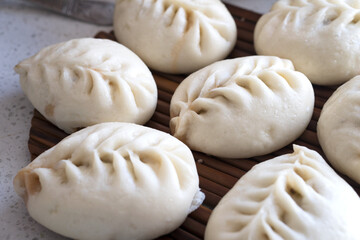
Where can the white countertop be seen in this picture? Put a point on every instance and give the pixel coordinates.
(23, 32)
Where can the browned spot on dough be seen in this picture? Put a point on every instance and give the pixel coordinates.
(49, 110)
(32, 183)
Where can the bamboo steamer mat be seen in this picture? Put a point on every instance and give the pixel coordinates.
(217, 175)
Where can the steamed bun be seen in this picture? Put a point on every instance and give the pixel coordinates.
(111, 181)
(294, 196)
(175, 36)
(321, 38)
(87, 81)
(338, 129)
(242, 107)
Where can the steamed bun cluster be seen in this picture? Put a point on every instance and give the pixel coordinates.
(242, 107)
(86, 81)
(294, 196)
(116, 180)
(111, 181)
(175, 36)
(321, 37)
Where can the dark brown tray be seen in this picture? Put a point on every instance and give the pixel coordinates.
(217, 175)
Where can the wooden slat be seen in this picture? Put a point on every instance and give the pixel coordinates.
(241, 45)
(211, 199)
(180, 234)
(194, 227)
(219, 165)
(244, 35)
(243, 23)
(163, 107)
(202, 214)
(213, 187)
(165, 96)
(165, 84)
(217, 175)
(242, 13)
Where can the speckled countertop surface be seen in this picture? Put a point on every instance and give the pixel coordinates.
(23, 32)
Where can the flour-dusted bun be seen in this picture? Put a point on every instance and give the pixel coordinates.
(86, 81)
(175, 36)
(294, 196)
(338, 129)
(242, 107)
(321, 37)
(111, 181)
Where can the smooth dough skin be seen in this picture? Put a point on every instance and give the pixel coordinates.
(86, 81)
(295, 196)
(175, 36)
(321, 37)
(242, 107)
(338, 129)
(111, 181)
